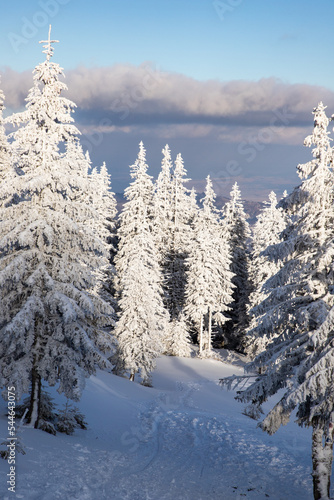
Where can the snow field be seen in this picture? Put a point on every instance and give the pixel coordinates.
(185, 438)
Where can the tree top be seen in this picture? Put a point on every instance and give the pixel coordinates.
(48, 47)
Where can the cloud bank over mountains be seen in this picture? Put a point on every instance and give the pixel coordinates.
(246, 131)
(126, 96)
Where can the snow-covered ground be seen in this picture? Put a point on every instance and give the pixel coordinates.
(185, 438)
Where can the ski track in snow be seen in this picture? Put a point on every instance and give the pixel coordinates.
(175, 449)
(209, 451)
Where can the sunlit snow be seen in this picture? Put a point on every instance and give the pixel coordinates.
(184, 438)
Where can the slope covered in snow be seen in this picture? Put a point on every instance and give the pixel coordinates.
(184, 438)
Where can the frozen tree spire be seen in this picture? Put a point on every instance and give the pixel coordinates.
(179, 240)
(299, 294)
(52, 317)
(238, 232)
(318, 174)
(142, 319)
(193, 202)
(162, 204)
(48, 47)
(267, 231)
(209, 198)
(48, 120)
(5, 161)
(103, 225)
(297, 314)
(209, 286)
(174, 211)
(177, 341)
(103, 201)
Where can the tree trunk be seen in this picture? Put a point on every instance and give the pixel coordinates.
(36, 383)
(201, 336)
(35, 399)
(322, 457)
(209, 329)
(132, 377)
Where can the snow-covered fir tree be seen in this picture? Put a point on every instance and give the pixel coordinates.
(177, 341)
(170, 195)
(298, 314)
(69, 419)
(101, 200)
(142, 320)
(300, 293)
(104, 200)
(193, 204)
(162, 205)
(238, 233)
(104, 203)
(209, 279)
(5, 162)
(179, 241)
(51, 318)
(267, 231)
(303, 367)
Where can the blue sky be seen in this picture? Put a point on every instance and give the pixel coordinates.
(232, 39)
(256, 56)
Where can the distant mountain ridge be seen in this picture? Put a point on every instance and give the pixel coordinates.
(252, 208)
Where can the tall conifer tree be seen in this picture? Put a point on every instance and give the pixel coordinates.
(298, 313)
(142, 320)
(238, 233)
(209, 279)
(51, 319)
(179, 241)
(267, 232)
(5, 161)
